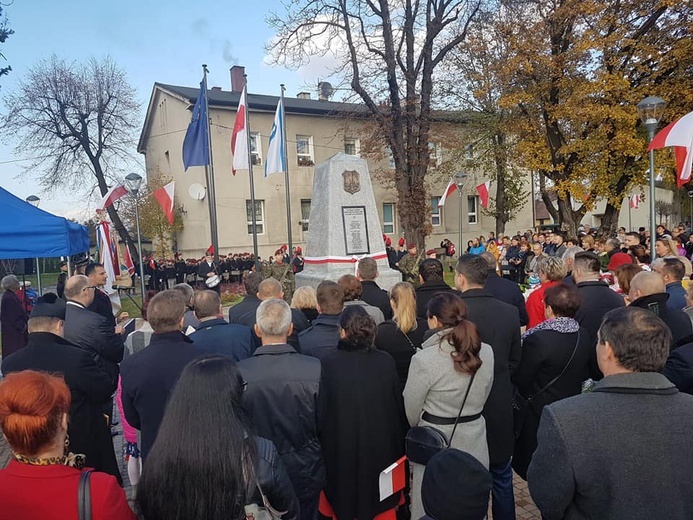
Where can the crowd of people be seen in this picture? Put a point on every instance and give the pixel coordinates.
(575, 375)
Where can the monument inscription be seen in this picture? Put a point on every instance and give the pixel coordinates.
(355, 230)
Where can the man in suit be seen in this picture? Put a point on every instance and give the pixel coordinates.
(207, 269)
(499, 326)
(624, 449)
(432, 283)
(149, 375)
(101, 304)
(91, 331)
(214, 335)
(90, 386)
(367, 272)
(284, 409)
(322, 337)
(672, 272)
(503, 289)
(251, 302)
(647, 292)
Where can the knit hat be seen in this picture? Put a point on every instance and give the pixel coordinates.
(49, 306)
(455, 486)
(619, 259)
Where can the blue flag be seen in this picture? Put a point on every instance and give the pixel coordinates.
(196, 142)
(275, 152)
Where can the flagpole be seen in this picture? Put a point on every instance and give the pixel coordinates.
(285, 158)
(250, 173)
(630, 205)
(209, 174)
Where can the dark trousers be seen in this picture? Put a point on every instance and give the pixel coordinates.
(309, 507)
(502, 496)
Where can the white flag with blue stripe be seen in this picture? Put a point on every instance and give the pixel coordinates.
(276, 155)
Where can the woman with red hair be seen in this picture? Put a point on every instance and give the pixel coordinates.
(42, 479)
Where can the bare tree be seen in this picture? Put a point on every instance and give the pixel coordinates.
(76, 122)
(388, 52)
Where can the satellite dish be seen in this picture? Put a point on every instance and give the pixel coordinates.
(197, 191)
(326, 90)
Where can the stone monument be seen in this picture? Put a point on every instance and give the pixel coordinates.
(344, 225)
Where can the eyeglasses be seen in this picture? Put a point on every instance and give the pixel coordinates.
(90, 287)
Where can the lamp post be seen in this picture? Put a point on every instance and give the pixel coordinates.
(134, 181)
(35, 201)
(650, 110)
(459, 181)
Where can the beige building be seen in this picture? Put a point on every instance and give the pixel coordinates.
(316, 129)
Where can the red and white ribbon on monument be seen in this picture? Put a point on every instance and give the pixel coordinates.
(317, 260)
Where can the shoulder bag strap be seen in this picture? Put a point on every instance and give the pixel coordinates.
(546, 387)
(84, 496)
(457, 419)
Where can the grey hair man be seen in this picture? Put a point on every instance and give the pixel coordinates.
(568, 257)
(632, 349)
(367, 272)
(189, 318)
(291, 420)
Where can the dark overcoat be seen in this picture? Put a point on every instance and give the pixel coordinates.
(14, 323)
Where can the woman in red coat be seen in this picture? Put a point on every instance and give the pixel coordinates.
(551, 271)
(42, 478)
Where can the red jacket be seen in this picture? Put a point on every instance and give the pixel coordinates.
(535, 304)
(50, 492)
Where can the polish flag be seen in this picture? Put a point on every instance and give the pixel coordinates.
(635, 201)
(165, 197)
(392, 479)
(678, 134)
(452, 187)
(239, 138)
(116, 192)
(482, 190)
(128, 264)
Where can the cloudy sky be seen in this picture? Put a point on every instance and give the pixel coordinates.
(153, 41)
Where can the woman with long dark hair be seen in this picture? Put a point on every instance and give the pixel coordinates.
(205, 462)
(362, 423)
(452, 363)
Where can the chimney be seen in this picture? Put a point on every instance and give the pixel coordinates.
(218, 89)
(303, 95)
(237, 79)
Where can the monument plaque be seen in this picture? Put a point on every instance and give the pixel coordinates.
(355, 230)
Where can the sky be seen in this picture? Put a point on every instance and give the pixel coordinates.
(152, 41)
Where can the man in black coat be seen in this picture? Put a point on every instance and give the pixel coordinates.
(432, 283)
(367, 272)
(148, 376)
(91, 331)
(596, 299)
(251, 302)
(90, 387)
(101, 304)
(623, 450)
(214, 335)
(207, 269)
(322, 337)
(503, 289)
(499, 326)
(647, 292)
(679, 367)
(284, 409)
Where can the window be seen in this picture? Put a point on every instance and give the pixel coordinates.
(435, 211)
(390, 159)
(255, 149)
(352, 146)
(472, 209)
(434, 154)
(305, 214)
(388, 218)
(259, 216)
(304, 150)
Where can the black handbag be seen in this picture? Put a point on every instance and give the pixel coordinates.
(422, 442)
(521, 403)
(84, 496)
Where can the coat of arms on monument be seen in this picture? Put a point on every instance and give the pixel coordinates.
(352, 182)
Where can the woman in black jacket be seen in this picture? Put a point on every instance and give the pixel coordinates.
(546, 350)
(403, 335)
(205, 463)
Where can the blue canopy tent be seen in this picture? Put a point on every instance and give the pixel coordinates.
(30, 232)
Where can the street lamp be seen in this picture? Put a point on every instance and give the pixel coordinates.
(133, 182)
(459, 181)
(35, 201)
(650, 110)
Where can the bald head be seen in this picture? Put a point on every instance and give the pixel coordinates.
(645, 284)
(269, 288)
(76, 290)
(207, 305)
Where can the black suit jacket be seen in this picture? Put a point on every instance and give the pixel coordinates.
(679, 368)
(508, 292)
(248, 304)
(102, 306)
(148, 377)
(321, 338)
(90, 386)
(425, 292)
(377, 297)
(499, 326)
(93, 333)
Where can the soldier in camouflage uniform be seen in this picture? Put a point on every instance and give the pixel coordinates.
(283, 273)
(409, 266)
